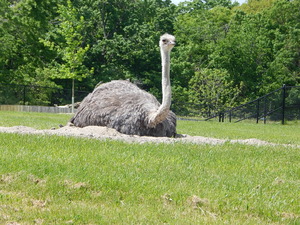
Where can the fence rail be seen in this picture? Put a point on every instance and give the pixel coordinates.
(14, 94)
(33, 108)
(280, 105)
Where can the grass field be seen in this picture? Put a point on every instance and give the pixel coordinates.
(64, 180)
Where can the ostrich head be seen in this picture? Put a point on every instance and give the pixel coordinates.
(167, 42)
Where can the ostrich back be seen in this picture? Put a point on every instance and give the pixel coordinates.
(125, 107)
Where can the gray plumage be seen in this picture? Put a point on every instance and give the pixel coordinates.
(130, 110)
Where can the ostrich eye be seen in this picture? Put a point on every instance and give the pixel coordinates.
(164, 40)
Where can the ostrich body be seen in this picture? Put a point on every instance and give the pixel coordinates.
(130, 110)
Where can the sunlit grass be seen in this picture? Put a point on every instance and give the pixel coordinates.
(59, 180)
(33, 119)
(63, 180)
(273, 132)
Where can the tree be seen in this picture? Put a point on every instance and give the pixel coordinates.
(285, 67)
(124, 38)
(198, 34)
(212, 91)
(245, 52)
(21, 53)
(256, 6)
(71, 49)
(257, 47)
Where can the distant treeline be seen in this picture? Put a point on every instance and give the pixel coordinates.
(225, 55)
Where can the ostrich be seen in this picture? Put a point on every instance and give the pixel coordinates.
(123, 106)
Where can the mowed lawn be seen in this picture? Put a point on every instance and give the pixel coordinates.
(65, 180)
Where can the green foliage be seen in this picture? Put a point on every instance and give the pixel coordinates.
(255, 46)
(69, 49)
(21, 25)
(180, 105)
(256, 6)
(48, 42)
(127, 40)
(212, 91)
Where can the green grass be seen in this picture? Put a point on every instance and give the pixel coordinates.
(59, 180)
(64, 180)
(272, 132)
(31, 119)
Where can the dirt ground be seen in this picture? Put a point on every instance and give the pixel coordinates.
(103, 133)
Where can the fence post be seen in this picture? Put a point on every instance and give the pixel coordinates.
(283, 103)
(73, 95)
(265, 110)
(221, 117)
(257, 111)
(24, 94)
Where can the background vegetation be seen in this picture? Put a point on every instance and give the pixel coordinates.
(240, 52)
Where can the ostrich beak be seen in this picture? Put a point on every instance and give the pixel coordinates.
(172, 43)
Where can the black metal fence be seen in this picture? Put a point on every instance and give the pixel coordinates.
(13, 94)
(280, 105)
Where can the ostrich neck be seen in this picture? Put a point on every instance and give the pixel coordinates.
(162, 112)
(165, 82)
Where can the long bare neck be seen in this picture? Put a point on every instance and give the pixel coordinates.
(165, 81)
(162, 112)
